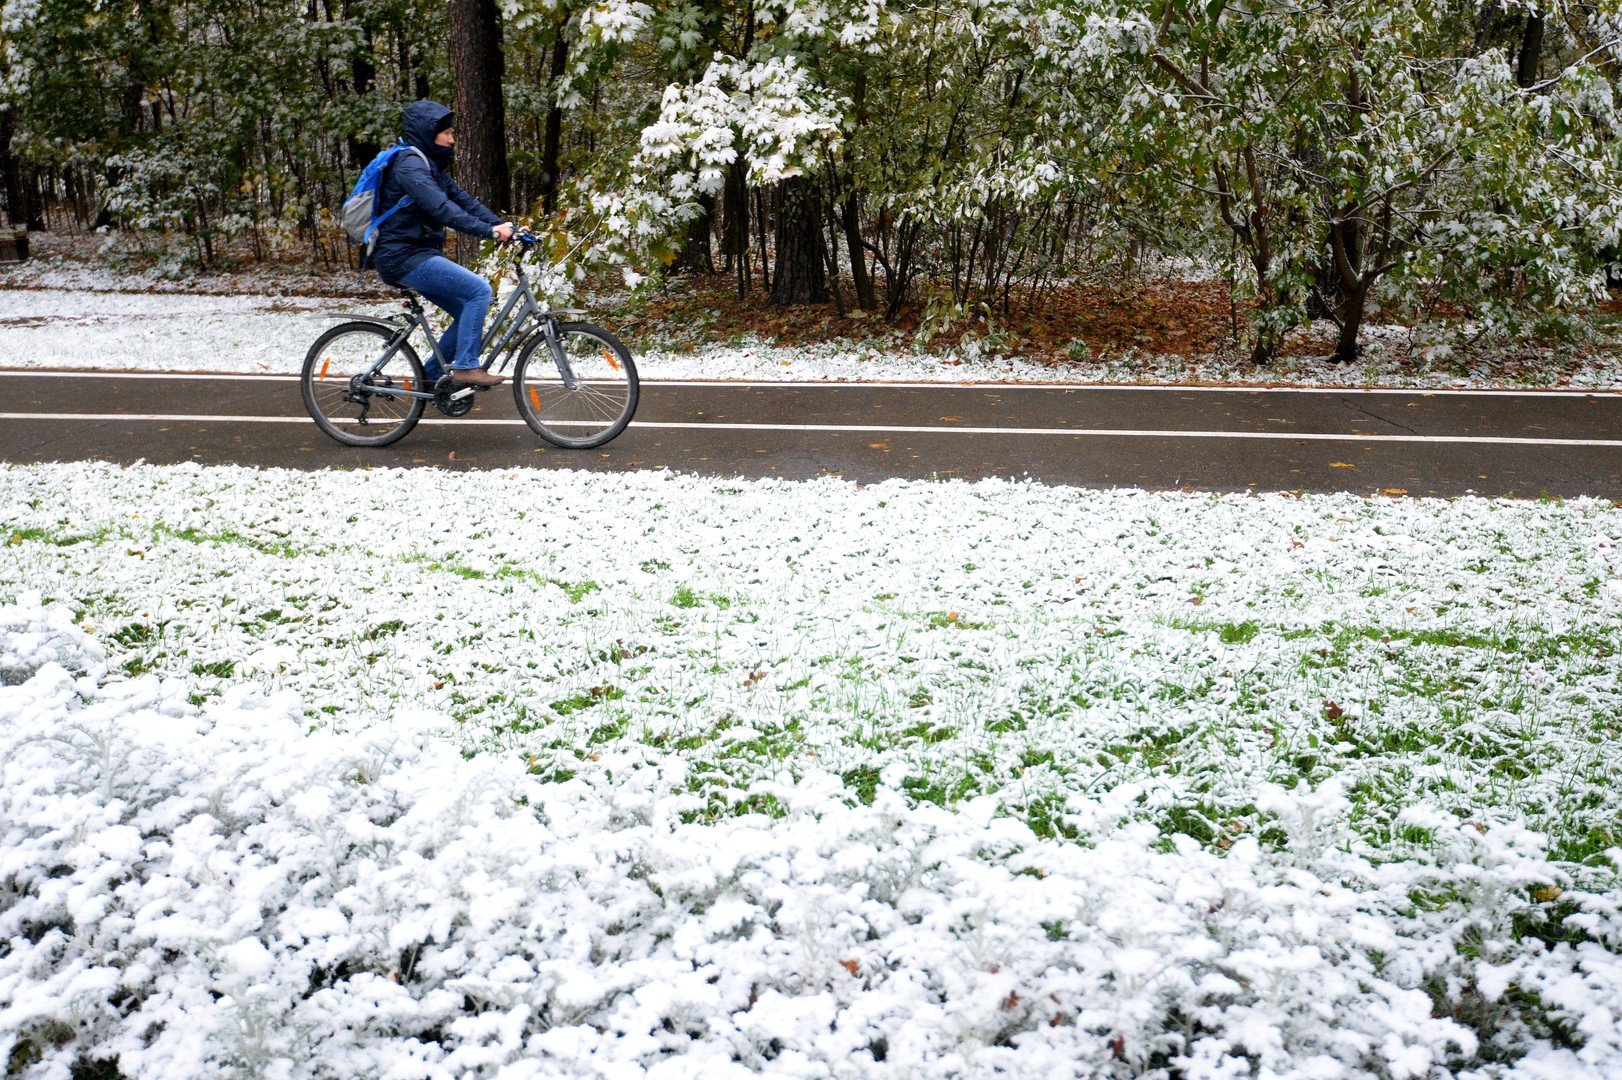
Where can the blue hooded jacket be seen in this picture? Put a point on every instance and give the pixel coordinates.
(416, 232)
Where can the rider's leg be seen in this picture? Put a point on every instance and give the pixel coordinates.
(464, 295)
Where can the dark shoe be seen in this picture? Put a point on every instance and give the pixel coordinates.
(474, 377)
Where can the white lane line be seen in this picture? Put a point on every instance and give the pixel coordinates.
(1146, 388)
(824, 384)
(877, 429)
(216, 376)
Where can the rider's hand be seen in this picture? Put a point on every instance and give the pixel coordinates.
(503, 232)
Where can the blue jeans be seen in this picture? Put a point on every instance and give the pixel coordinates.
(465, 297)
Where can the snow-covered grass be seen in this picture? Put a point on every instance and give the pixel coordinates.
(540, 773)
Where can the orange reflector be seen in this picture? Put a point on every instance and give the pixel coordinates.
(608, 354)
(407, 383)
(535, 399)
(326, 362)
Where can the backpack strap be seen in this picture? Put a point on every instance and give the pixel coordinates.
(378, 221)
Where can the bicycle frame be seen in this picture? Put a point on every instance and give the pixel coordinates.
(514, 325)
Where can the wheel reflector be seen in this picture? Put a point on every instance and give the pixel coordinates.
(535, 399)
(608, 354)
(326, 362)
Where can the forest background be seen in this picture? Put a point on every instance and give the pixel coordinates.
(934, 163)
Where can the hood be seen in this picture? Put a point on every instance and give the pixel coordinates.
(420, 122)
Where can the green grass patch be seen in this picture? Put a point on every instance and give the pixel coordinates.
(220, 669)
(135, 635)
(586, 699)
(36, 535)
(687, 597)
(280, 549)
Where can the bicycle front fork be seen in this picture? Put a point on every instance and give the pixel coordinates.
(559, 357)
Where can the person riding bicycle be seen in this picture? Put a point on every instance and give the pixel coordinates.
(408, 252)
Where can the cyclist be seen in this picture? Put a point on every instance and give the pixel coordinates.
(410, 242)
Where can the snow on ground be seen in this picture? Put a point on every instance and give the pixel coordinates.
(161, 331)
(50, 325)
(430, 774)
(543, 773)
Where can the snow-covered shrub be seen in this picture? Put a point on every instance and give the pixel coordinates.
(33, 635)
(217, 891)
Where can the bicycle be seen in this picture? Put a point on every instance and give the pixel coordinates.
(574, 383)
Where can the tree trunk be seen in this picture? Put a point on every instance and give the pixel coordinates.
(33, 201)
(1355, 302)
(735, 224)
(800, 277)
(132, 102)
(402, 62)
(760, 234)
(477, 68)
(1324, 299)
(861, 281)
(363, 77)
(1526, 63)
(1357, 270)
(1265, 350)
(1331, 294)
(830, 253)
(850, 212)
(1268, 336)
(552, 150)
(695, 257)
(10, 178)
(898, 279)
(735, 197)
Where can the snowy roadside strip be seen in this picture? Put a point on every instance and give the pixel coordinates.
(662, 775)
(255, 333)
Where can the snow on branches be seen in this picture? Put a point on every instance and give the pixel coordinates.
(770, 113)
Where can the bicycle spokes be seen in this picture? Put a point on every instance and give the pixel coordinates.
(357, 384)
(585, 395)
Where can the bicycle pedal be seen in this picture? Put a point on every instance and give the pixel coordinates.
(466, 391)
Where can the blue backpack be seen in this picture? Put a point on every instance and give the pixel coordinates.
(360, 216)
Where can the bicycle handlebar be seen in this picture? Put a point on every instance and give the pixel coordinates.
(522, 243)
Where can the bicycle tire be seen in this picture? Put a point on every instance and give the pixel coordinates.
(602, 404)
(339, 406)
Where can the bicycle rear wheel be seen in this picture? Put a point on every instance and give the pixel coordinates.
(603, 395)
(352, 405)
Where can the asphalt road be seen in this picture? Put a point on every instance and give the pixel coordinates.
(1529, 444)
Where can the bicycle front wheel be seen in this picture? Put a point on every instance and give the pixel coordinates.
(583, 398)
(349, 401)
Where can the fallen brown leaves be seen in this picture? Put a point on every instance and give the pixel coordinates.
(1152, 317)
(1155, 317)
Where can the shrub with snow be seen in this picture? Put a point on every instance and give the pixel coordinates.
(192, 891)
(33, 635)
